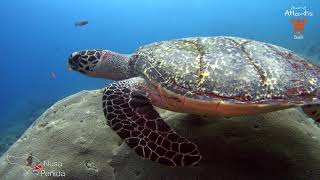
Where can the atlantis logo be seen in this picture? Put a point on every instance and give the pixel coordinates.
(298, 11)
(298, 19)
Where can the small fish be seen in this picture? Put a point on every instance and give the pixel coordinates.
(81, 23)
(312, 111)
(53, 75)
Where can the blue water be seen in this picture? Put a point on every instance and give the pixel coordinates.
(36, 37)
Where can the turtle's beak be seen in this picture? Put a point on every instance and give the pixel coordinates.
(73, 61)
(68, 66)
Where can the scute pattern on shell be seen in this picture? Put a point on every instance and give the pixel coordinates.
(229, 68)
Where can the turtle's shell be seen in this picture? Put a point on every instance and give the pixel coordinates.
(235, 70)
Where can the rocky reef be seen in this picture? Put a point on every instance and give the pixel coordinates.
(71, 140)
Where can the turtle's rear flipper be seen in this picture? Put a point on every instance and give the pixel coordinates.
(313, 111)
(130, 114)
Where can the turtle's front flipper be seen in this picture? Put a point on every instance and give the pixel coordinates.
(313, 111)
(130, 114)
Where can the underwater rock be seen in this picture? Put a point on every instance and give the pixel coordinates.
(71, 139)
(19, 119)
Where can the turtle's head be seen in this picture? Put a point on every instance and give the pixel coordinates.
(102, 64)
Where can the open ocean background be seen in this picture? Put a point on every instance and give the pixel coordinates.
(37, 36)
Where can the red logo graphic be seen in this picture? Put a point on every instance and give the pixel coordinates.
(298, 25)
(37, 167)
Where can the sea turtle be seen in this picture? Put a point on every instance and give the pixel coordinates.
(210, 76)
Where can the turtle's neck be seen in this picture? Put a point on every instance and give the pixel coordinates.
(113, 66)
